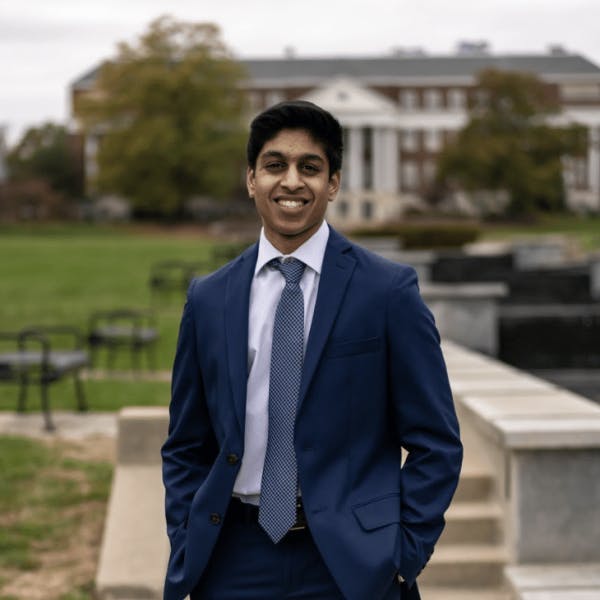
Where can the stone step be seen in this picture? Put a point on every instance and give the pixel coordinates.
(471, 566)
(472, 523)
(135, 548)
(474, 485)
(453, 593)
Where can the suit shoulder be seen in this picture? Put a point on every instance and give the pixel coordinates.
(207, 283)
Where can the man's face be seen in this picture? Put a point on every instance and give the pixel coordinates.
(291, 187)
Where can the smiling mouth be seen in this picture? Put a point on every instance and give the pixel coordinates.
(291, 202)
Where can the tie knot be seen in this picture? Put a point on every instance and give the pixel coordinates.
(291, 269)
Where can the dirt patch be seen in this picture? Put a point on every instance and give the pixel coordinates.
(62, 570)
(96, 448)
(71, 566)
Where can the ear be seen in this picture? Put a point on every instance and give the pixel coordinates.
(250, 182)
(334, 185)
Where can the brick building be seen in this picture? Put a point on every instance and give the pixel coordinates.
(398, 110)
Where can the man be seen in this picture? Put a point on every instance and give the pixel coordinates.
(303, 368)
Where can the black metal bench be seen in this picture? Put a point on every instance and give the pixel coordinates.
(174, 276)
(132, 329)
(34, 358)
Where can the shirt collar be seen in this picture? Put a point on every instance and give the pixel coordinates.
(311, 253)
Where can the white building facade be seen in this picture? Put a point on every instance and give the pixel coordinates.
(398, 112)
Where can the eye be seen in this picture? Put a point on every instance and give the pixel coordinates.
(311, 169)
(274, 165)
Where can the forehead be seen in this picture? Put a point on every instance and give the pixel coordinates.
(294, 142)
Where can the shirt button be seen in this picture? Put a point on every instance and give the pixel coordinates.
(215, 518)
(233, 459)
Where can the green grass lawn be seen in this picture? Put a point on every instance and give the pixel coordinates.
(61, 274)
(102, 395)
(49, 497)
(38, 483)
(52, 277)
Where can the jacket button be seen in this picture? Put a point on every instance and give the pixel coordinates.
(233, 459)
(215, 518)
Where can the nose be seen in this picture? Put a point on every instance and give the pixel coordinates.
(291, 179)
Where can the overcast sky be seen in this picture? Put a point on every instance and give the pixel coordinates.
(46, 44)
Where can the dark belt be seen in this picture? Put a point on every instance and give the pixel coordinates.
(248, 513)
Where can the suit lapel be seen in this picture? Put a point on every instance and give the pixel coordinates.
(338, 265)
(237, 298)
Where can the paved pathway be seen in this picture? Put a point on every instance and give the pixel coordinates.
(75, 425)
(100, 374)
(69, 425)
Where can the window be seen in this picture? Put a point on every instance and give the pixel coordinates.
(581, 91)
(408, 99)
(428, 171)
(255, 101)
(366, 210)
(343, 208)
(433, 99)
(433, 140)
(274, 97)
(457, 99)
(410, 175)
(409, 140)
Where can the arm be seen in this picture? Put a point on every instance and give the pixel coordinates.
(425, 423)
(190, 448)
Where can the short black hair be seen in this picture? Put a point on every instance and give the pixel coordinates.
(323, 127)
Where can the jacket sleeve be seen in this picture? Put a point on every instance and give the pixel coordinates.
(425, 424)
(190, 449)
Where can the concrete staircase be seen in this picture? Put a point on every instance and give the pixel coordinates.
(469, 559)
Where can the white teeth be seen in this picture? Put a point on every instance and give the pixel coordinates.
(291, 203)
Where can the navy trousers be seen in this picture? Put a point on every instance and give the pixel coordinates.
(245, 565)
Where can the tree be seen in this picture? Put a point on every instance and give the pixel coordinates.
(48, 153)
(509, 145)
(171, 113)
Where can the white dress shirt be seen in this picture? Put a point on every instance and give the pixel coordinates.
(265, 291)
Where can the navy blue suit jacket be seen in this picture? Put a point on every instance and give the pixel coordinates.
(374, 381)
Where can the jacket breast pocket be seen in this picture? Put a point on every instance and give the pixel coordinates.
(378, 512)
(352, 347)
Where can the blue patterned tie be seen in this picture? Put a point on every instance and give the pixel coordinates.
(279, 487)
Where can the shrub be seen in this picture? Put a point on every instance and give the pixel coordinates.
(437, 235)
(414, 235)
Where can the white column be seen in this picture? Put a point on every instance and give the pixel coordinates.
(355, 160)
(594, 162)
(378, 164)
(398, 166)
(391, 161)
(385, 160)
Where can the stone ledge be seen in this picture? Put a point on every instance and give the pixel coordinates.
(501, 384)
(546, 434)
(464, 291)
(540, 402)
(135, 547)
(142, 431)
(516, 409)
(555, 581)
(590, 594)
(557, 419)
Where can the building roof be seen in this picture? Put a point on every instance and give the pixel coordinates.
(401, 67)
(409, 67)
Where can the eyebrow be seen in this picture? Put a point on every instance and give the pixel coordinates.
(280, 155)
